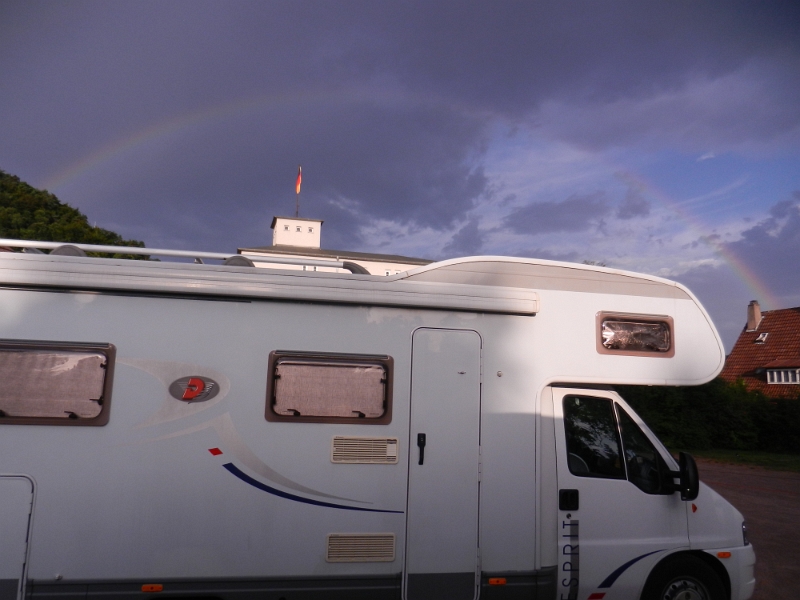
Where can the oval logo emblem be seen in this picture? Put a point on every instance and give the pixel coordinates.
(194, 389)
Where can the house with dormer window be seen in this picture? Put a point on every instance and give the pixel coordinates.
(766, 357)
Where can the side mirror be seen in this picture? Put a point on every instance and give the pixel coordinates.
(690, 479)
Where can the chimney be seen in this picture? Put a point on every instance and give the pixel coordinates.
(753, 315)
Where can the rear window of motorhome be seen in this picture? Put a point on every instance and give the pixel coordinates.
(635, 335)
(329, 388)
(55, 383)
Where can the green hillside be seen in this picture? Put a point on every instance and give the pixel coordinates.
(30, 214)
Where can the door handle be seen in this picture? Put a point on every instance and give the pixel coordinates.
(421, 445)
(568, 500)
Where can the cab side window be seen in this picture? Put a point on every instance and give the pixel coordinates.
(593, 444)
(646, 469)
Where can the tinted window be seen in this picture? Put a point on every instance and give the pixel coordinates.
(593, 448)
(646, 469)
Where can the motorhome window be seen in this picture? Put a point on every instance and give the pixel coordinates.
(641, 335)
(333, 388)
(55, 383)
(646, 469)
(593, 448)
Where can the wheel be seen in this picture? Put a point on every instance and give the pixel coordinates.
(684, 577)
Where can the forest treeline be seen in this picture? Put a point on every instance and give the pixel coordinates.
(718, 415)
(27, 213)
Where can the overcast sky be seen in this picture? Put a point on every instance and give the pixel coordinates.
(661, 137)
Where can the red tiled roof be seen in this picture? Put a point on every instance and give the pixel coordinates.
(749, 360)
(786, 363)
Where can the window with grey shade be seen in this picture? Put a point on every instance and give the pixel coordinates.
(50, 383)
(324, 388)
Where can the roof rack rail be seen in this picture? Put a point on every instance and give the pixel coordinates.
(238, 260)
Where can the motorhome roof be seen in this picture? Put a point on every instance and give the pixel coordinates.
(489, 284)
(540, 274)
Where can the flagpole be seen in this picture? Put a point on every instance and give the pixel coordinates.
(297, 191)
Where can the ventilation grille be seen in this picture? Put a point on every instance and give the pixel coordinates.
(360, 547)
(368, 450)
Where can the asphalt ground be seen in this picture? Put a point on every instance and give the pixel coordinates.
(770, 503)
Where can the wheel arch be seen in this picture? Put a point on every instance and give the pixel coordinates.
(708, 559)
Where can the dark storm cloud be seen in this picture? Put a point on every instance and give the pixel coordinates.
(602, 74)
(750, 108)
(513, 54)
(387, 105)
(234, 176)
(576, 213)
(467, 241)
(771, 248)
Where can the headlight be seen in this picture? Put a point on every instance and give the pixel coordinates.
(744, 534)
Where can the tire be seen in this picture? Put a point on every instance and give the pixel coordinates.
(684, 577)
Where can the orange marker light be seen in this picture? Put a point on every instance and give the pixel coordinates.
(152, 587)
(724, 554)
(497, 581)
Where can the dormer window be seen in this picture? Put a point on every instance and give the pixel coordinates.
(785, 376)
(762, 337)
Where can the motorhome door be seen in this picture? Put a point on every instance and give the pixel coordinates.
(617, 513)
(16, 501)
(442, 525)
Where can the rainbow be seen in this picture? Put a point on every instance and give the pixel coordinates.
(210, 113)
(159, 130)
(759, 289)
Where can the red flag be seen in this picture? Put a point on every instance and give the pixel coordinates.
(299, 178)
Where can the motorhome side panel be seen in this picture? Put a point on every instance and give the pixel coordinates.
(211, 489)
(182, 489)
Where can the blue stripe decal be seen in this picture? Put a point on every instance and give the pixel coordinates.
(609, 581)
(275, 492)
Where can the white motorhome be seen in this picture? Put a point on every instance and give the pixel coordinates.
(224, 432)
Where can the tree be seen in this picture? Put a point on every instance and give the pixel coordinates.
(30, 214)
